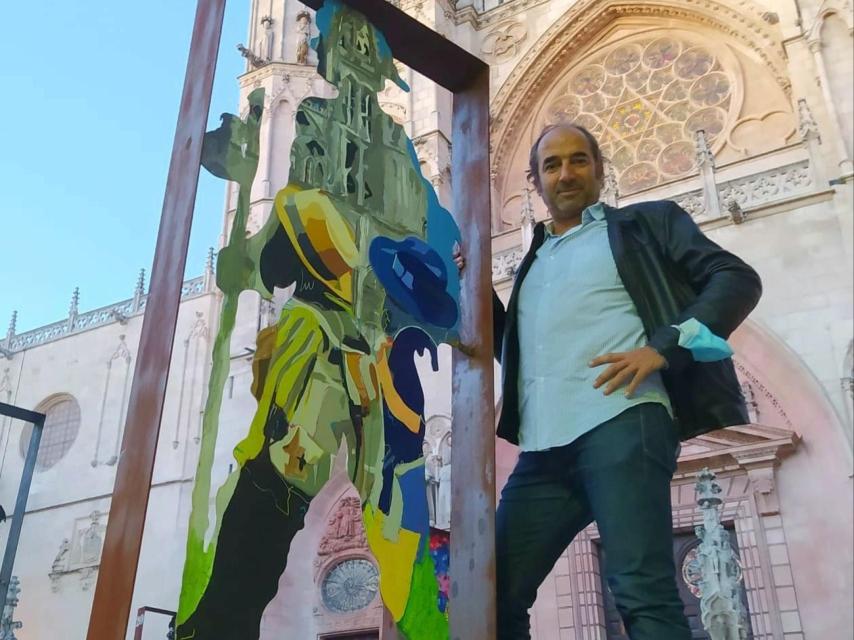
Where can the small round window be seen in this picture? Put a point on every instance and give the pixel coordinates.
(62, 422)
(350, 586)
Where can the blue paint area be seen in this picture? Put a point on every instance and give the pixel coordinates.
(415, 278)
(401, 444)
(416, 516)
(442, 234)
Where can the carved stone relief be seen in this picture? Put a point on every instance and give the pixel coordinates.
(503, 42)
(344, 531)
(757, 133)
(80, 555)
(504, 265)
(761, 394)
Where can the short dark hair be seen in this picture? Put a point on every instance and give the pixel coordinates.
(533, 173)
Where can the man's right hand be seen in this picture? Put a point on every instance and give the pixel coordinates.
(457, 256)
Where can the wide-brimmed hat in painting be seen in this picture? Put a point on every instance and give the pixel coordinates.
(415, 278)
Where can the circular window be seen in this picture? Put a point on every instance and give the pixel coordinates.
(62, 422)
(350, 586)
(645, 100)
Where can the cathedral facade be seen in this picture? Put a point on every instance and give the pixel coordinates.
(741, 111)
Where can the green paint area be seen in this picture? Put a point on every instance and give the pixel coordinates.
(421, 621)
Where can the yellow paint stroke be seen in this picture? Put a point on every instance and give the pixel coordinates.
(396, 405)
(327, 230)
(396, 560)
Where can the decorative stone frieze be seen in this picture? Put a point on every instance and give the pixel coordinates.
(503, 42)
(505, 265)
(120, 311)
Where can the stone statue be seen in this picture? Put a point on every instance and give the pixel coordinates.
(303, 33)
(721, 610)
(269, 37)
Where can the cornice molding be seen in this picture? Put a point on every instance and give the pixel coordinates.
(495, 15)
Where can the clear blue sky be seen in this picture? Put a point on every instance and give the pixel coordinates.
(89, 101)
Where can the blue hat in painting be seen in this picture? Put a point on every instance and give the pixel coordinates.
(415, 278)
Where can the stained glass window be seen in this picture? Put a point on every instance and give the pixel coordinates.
(644, 100)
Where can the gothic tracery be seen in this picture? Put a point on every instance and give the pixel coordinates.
(645, 99)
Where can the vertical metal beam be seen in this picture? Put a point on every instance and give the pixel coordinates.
(123, 540)
(472, 611)
(37, 420)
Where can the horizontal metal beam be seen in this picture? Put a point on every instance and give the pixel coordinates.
(417, 46)
(21, 414)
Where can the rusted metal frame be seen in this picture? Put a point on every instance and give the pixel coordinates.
(37, 420)
(140, 619)
(123, 540)
(472, 613)
(417, 45)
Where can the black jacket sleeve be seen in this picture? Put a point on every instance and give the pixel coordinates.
(498, 318)
(726, 288)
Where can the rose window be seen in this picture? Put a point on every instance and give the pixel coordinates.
(645, 100)
(350, 586)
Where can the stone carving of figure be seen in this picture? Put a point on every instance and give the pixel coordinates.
(303, 33)
(91, 544)
(269, 38)
(59, 561)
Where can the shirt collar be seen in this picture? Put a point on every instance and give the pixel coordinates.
(593, 212)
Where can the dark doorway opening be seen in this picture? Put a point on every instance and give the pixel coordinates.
(684, 550)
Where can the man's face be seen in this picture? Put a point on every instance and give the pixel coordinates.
(569, 177)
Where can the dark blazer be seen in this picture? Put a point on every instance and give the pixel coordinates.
(672, 272)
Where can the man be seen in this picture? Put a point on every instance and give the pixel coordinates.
(613, 350)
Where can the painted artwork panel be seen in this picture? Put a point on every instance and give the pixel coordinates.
(360, 235)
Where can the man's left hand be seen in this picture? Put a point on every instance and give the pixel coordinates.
(631, 366)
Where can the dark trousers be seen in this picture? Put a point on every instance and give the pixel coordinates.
(619, 475)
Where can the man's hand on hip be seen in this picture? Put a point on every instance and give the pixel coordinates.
(630, 367)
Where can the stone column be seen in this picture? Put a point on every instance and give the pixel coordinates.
(845, 166)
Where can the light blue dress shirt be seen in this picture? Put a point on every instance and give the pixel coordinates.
(573, 307)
